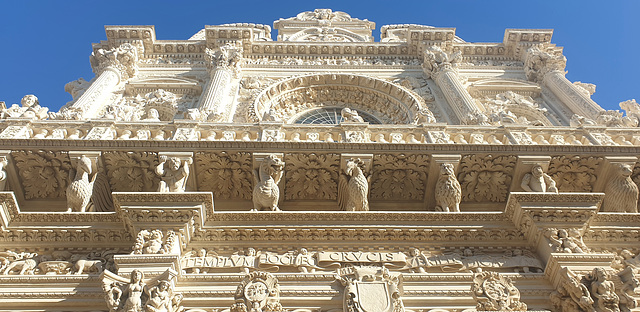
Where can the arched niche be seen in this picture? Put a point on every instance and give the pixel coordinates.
(387, 102)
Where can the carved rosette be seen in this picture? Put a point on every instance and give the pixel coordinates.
(574, 173)
(227, 175)
(43, 174)
(311, 176)
(122, 59)
(132, 171)
(486, 178)
(495, 292)
(399, 177)
(538, 63)
(258, 292)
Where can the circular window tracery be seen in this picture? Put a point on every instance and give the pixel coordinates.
(329, 116)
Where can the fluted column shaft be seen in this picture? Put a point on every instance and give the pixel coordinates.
(456, 94)
(215, 92)
(569, 94)
(92, 100)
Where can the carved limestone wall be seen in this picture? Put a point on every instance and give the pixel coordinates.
(486, 178)
(311, 176)
(399, 177)
(574, 173)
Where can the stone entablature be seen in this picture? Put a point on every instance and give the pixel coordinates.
(481, 180)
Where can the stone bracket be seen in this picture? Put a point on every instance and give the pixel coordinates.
(523, 166)
(434, 173)
(257, 160)
(184, 156)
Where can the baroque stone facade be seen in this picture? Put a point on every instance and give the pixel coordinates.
(322, 171)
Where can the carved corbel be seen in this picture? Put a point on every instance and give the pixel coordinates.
(267, 165)
(353, 187)
(621, 192)
(434, 174)
(176, 180)
(524, 165)
(141, 290)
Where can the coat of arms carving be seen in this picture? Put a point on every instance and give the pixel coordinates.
(371, 289)
(258, 292)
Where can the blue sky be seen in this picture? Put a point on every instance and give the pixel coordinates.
(46, 44)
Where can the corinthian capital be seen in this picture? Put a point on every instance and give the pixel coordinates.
(123, 58)
(539, 62)
(436, 60)
(226, 57)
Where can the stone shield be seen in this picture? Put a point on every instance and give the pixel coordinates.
(373, 296)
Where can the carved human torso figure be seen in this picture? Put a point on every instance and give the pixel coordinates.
(159, 298)
(133, 292)
(603, 292)
(173, 174)
(538, 181)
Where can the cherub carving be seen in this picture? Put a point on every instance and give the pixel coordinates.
(30, 109)
(80, 189)
(161, 298)
(353, 188)
(136, 294)
(174, 174)
(538, 181)
(152, 242)
(350, 115)
(561, 241)
(621, 193)
(603, 291)
(448, 191)
(266, 192)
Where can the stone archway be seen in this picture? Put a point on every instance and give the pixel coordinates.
(386, 101)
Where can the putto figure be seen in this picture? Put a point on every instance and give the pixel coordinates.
(266, 192)
(353, 188)
(621, 193)
(448, 191)
(80, 189)
(538, 181)
(174, 174)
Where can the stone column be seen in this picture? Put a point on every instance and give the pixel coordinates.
(441, 67)
(222, 65)
(112, 67)
(547, 68)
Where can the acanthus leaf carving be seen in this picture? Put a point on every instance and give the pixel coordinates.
(399, 177)
(123, 59)
(486, 178)
(132, 171)
(574, 173)
(227, 175)
(311, 176)
(44, 174)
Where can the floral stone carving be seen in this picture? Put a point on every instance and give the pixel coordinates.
(486, 178)
(621, 193)
(312, 176)
(132, 171)
(574, 173)
(370, 288)
(227, 175)
(152, 242)
(448, 192)
(266, 192)
(43, 174)
(258, 292)
(494, 292)
(399, 177)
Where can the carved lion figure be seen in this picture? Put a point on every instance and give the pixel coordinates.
(82, 264)
(448, 191)
(621, 193)
(266, 192)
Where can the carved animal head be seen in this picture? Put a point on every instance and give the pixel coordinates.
(84, 164)
(271, 165)
(447, 170)
(354, 167)
(624, 170)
